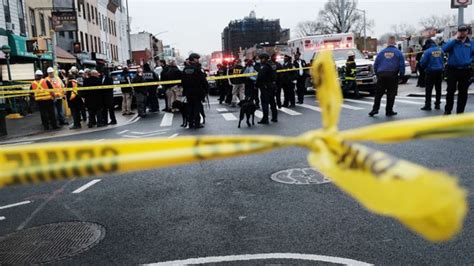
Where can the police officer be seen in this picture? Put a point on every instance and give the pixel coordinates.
(151, 76)
(301, 76)
(194, 89)
(351, 74)
(432, 63)
(389, 64)
(277, 66)
(141, 93)
(288, 80)
(266, 83)
(460, 53)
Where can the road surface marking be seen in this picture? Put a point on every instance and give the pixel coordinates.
(314, 108)
(222, 110)
(400, 101)
(123, 132)
(143, 136)
(419, 98)
(167, 120)
(86, 186)
(173, 136)
(269, 256)
(229, 117)
(98, 140)
(2, 218)
(347, 106)
(17, 144)
(289, 111)
(363, 102)
(15, 205)
(259, 114)
(148, 133)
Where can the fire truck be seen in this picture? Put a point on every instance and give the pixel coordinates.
(340, 44)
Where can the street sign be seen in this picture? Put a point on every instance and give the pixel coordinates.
(36, 46)
(460, 3)
(64, 21)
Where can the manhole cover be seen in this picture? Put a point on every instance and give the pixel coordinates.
(49, 242)
(300, 176)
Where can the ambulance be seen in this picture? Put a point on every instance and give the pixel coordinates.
(340, 44)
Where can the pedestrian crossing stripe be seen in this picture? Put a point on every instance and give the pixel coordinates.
(289, 111)
(229, 117)
(167, 120)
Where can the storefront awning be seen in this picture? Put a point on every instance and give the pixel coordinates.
(64, 57)
(18, 45)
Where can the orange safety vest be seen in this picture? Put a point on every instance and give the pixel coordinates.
(57, 86)
(41, 94)
(74, 91)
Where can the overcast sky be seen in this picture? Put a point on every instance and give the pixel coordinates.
(195, 25)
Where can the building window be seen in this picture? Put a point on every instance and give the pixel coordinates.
(50, 21)
(92, 15)
(6, 8)
(42, 25)
(87, 42)
(97, 16)
(88, 12)
(83, 11)
(95, 45)
(34, 32)
(99, 45)
(71, 35)
(61, 33)
(21, 18)
(104, 23)
(82, 41)
(92, 43)
(79, 7)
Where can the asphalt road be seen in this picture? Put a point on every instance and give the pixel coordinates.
(232, 207)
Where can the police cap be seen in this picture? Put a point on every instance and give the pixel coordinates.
(194, 56)
(263, 56)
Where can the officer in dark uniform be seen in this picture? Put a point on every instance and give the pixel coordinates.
(266, 83)
(194, 89)
(432, 63)
(277, 66)
(389, 64)
(460, 54)
(288, 80)
(152, 100)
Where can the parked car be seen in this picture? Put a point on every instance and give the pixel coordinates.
(119, 78)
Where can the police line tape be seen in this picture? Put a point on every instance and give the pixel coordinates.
(428, 202)
(25, 90)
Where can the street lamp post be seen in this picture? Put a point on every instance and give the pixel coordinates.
(7, 50)
(365, 27)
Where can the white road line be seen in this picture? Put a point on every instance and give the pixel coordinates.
(2, 218)
(419, 98)
(143, 136)
(350, 107)
(363, 102)
(173, 136)
(147, 133)
(229, 117)
(15, 205)
(289, 111)
(86, 186)
(98, 140)
(314, 108)
(17, 144)
(259, 114)
(167, 120)
(268, 256)
(400, 101)
(122, 132)
(222, 110)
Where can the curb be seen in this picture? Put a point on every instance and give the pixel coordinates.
(27, 138)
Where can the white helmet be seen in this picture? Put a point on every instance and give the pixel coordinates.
(81, 71)
(350, 53)
(39, 73)
(73, 69)
(50, 70)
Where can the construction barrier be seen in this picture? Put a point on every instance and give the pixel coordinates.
(428, 202)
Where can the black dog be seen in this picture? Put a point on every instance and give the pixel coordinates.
(247, 108)
(184, 110)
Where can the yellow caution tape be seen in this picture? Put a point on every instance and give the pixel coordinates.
(428, 202)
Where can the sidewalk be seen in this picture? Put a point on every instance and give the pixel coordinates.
(29, 127)
(411, 90)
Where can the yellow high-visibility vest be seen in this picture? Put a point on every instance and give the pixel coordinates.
(41, 94)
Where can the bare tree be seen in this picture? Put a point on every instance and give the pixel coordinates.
(332, 19)
(438, 22)
(403, 30)
(306, 28)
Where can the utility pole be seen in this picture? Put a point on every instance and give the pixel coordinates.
(343, 16)
(129, 34)
(365, 27)
(460, 15)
